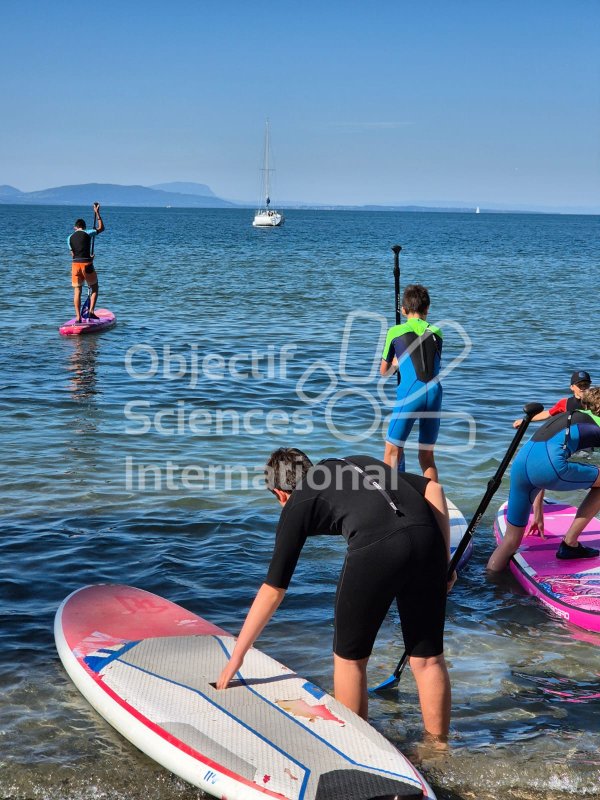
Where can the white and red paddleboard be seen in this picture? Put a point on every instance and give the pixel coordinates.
(148, 665)
(106, 319)
(458, 527)
(570, 589)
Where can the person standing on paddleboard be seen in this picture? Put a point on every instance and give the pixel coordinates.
(544, 463)
(580, 381)
(82, 253)
(415, 349)
(398, 533)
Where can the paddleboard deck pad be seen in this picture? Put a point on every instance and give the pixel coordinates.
(147, 666)
(570, 588)
(458, 527)
(106, 319)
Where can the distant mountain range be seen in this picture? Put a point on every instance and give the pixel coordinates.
(179, 195)
(186, 194)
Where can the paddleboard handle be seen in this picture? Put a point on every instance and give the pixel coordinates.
(530, 410)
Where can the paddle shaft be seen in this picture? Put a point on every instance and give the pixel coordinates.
(396, 250)
(94, 227)
(530, 411)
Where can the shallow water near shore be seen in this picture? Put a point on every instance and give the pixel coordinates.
(136, 456)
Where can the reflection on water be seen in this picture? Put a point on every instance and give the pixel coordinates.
(81, 368)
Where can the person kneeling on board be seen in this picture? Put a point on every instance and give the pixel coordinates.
(397, 529)
(82, 253)
(544, 463)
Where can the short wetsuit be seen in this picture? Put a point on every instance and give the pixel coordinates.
(543, 463)
(80, 243)
(389, 555)
(418, 347)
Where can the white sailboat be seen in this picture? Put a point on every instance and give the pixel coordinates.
(267, 217)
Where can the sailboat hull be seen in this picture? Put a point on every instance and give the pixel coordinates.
(268, 219)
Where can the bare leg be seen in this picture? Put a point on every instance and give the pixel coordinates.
(427, 462)
(588, 509)
(350, 684)
(435, 697)
(507, 547)
(77, 302)
(393, 455)
(93, 298)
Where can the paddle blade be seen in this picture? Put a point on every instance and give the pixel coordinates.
(394, 678)
(85, 308)
(390, 683)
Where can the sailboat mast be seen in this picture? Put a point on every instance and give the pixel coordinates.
(266, 167)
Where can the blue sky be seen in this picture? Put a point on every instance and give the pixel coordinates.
(485, 102)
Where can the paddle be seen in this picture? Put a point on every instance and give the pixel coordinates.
(86, 305)
(396, 250)
(530, 410)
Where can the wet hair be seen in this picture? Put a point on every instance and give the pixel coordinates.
(590, 400)
(285, 468)
(80, 223)
(415, 299)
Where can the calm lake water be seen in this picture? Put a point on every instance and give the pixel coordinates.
(135, 456)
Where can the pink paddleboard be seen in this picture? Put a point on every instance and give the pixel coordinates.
(106, 319)
(570, 589)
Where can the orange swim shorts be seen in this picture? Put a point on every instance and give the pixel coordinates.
(83, 271)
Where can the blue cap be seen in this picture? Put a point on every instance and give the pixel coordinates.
(580, 377)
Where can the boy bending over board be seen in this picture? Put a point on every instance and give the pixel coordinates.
(544, 463)
(397, 529)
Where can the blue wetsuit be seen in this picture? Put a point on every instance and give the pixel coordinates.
(418, 347)
(543, 463)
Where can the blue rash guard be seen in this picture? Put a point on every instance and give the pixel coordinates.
(543, 463)
(417, 345)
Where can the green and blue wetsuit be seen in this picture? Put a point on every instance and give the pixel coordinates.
(417, 345)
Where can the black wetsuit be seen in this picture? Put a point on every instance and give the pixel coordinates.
(391, 553)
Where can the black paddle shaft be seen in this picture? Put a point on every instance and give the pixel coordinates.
(396, 250)
(530, 410)
(94, 226)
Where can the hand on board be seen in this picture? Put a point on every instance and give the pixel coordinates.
(232, 666)
(536, 528)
